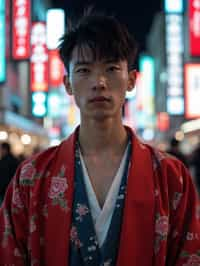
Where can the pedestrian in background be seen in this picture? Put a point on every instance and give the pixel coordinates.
(174, 149)
(101, 197)
(8, 166)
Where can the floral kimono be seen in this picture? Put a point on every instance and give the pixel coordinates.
(84, 249)
(160, 224)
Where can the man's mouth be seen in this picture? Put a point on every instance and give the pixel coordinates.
(99, 99)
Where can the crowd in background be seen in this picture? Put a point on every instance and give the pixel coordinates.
(9, 163)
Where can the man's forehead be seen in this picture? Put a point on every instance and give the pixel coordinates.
(85, 54)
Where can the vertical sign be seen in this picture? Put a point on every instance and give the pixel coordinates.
(56, 69)
(55, 27)
(174, 61)
(147, 68)
(194, 27)
(21, 29)
(192, 91)
(39, 69)
(2, 42)
(39, 58)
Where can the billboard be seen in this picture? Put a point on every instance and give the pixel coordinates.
(192, 91)
(39, 58)
(21, 22)
(194, 27)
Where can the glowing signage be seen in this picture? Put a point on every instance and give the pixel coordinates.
(2, 42)
(173, 6)
(39, 58)
(147, 68)
(194, 27)
(56, 69)
(174, 61)
(192, 90)
(55, 27)
(146, 65)
(21, 29)
(39, 104)
(54, 104)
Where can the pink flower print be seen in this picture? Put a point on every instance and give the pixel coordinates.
(58, 186)
(16, 199)
(194, 260)
(176, 200)
(162, 225)
(17, 252)
(189, 236)
(27, 172)
(32, 226)
(157, 193)
(73, 233)
(74, 237)
(82, 210)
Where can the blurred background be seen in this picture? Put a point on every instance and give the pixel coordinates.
(35, 111)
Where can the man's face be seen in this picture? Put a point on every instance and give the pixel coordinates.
(99, 87)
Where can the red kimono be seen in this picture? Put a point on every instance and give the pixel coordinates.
(161, 220)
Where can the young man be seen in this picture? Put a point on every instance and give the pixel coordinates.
(101, 197)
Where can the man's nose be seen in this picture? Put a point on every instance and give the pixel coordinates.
(99, 81)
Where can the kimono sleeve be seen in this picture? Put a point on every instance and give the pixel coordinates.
(13, 225)
(184, 244)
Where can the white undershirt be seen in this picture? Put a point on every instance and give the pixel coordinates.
(102, 217)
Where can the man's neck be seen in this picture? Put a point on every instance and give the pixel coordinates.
(102, 139)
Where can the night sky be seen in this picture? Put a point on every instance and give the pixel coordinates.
(136, 14)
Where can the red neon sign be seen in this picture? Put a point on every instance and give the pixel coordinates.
(194, 27)
(56, 69)
(39, 58)
(21, 29)
(192, 90)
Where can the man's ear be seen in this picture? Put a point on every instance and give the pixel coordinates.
(132, 75)
(67, 85)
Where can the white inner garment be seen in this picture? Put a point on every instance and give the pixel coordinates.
(102, 217)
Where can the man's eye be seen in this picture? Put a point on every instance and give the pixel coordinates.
(113, 68)
(83, 70)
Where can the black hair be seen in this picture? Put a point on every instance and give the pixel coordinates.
(103, 34)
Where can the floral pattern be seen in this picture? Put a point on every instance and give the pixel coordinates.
(28, 172)
(74, 237)
(162, 225)
(51, 213)
(161, 230)
(193, 260)
(82, 210)
(83, 235)
(58, 188)
(17, 199)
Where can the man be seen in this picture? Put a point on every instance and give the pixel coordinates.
(101, 197)
(8, 166)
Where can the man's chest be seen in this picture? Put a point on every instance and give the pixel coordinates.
(101, 173)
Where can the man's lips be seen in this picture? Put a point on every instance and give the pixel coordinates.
(99, 99)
